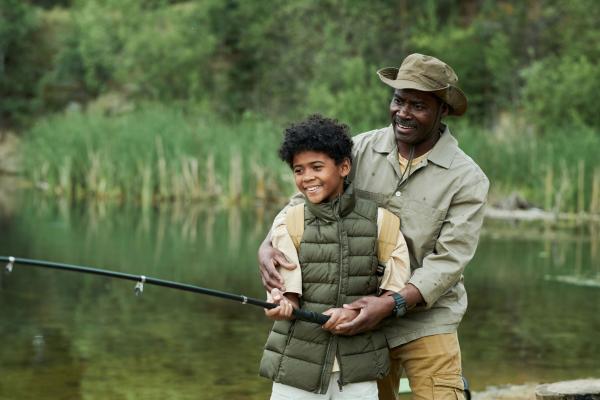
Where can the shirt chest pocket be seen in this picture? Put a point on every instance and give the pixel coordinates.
(420, 223)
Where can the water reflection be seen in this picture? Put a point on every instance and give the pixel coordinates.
(571, 255)
(74, 336)
(523, 324)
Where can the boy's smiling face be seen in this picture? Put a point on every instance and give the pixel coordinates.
(318, 177)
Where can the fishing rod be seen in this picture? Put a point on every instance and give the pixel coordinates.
(140, 280)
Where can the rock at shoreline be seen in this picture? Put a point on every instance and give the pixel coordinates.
(588, 389)
(584, 389)
(514, 201)
(507, 392)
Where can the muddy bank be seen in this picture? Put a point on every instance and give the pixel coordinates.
(9, 187)
(10, 182)
(9, 154)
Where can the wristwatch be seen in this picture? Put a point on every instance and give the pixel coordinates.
(399, 305)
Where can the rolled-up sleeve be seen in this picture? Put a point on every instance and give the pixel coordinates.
(397, 267)
(282, 241)
(456, 243)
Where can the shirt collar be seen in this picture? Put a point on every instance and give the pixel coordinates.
(444, 150)
(442, 154)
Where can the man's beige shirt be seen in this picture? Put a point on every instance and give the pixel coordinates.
(441, 206)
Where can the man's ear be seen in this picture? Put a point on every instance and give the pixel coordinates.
(345, 167)
(445, 110)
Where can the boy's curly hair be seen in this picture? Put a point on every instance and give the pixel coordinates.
(317, 133)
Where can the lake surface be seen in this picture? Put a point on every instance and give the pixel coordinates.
(534, 304)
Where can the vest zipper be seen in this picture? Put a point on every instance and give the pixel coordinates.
(337, 352)
(290, 334)
(341, 378)
(333, 340)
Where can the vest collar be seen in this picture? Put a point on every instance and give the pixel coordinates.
(336, 208)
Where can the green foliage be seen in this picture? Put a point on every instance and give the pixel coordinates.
(558, 92)
(161, 52)
(287, 59)
(166, 53)
(20, 66)
(569, 28)
(351, 94)
(481, 56)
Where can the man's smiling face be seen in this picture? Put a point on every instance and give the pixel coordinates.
(415, 116)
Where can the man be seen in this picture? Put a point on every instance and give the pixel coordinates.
(415, 169)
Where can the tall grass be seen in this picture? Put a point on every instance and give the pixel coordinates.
(558, 171)
(156, 154)
(159, 154)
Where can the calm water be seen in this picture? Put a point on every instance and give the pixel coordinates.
(533, 316)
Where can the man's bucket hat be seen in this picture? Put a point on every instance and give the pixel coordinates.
(427, 74)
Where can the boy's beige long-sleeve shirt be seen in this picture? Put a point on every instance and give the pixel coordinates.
(396, 274)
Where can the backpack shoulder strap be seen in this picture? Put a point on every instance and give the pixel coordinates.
(294, 222)
(388, 235)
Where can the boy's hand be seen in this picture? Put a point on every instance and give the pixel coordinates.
(338, 316)
(287, 302)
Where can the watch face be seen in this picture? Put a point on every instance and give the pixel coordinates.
(399, 306)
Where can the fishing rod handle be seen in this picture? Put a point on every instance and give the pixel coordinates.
(310, 316)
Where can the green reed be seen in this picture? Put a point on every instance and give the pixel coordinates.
(557, 171)
(161, 154)
(156, 154)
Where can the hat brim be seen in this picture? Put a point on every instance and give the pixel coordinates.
(451, 95)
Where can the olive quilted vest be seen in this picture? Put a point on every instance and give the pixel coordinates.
(338, 259)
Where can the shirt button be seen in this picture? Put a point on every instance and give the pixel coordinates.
(398, 194)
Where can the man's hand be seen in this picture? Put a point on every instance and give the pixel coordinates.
(338, 316)
(268, 259)
(287, 302)
(371, 311)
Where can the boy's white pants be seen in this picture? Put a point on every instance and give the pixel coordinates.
(352, 391)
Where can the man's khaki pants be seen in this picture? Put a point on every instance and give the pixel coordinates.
(432, 365)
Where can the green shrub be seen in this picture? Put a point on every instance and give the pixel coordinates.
(559, 93)
(354, 95)
(21, 62)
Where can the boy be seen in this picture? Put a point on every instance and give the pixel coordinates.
(337, 249)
